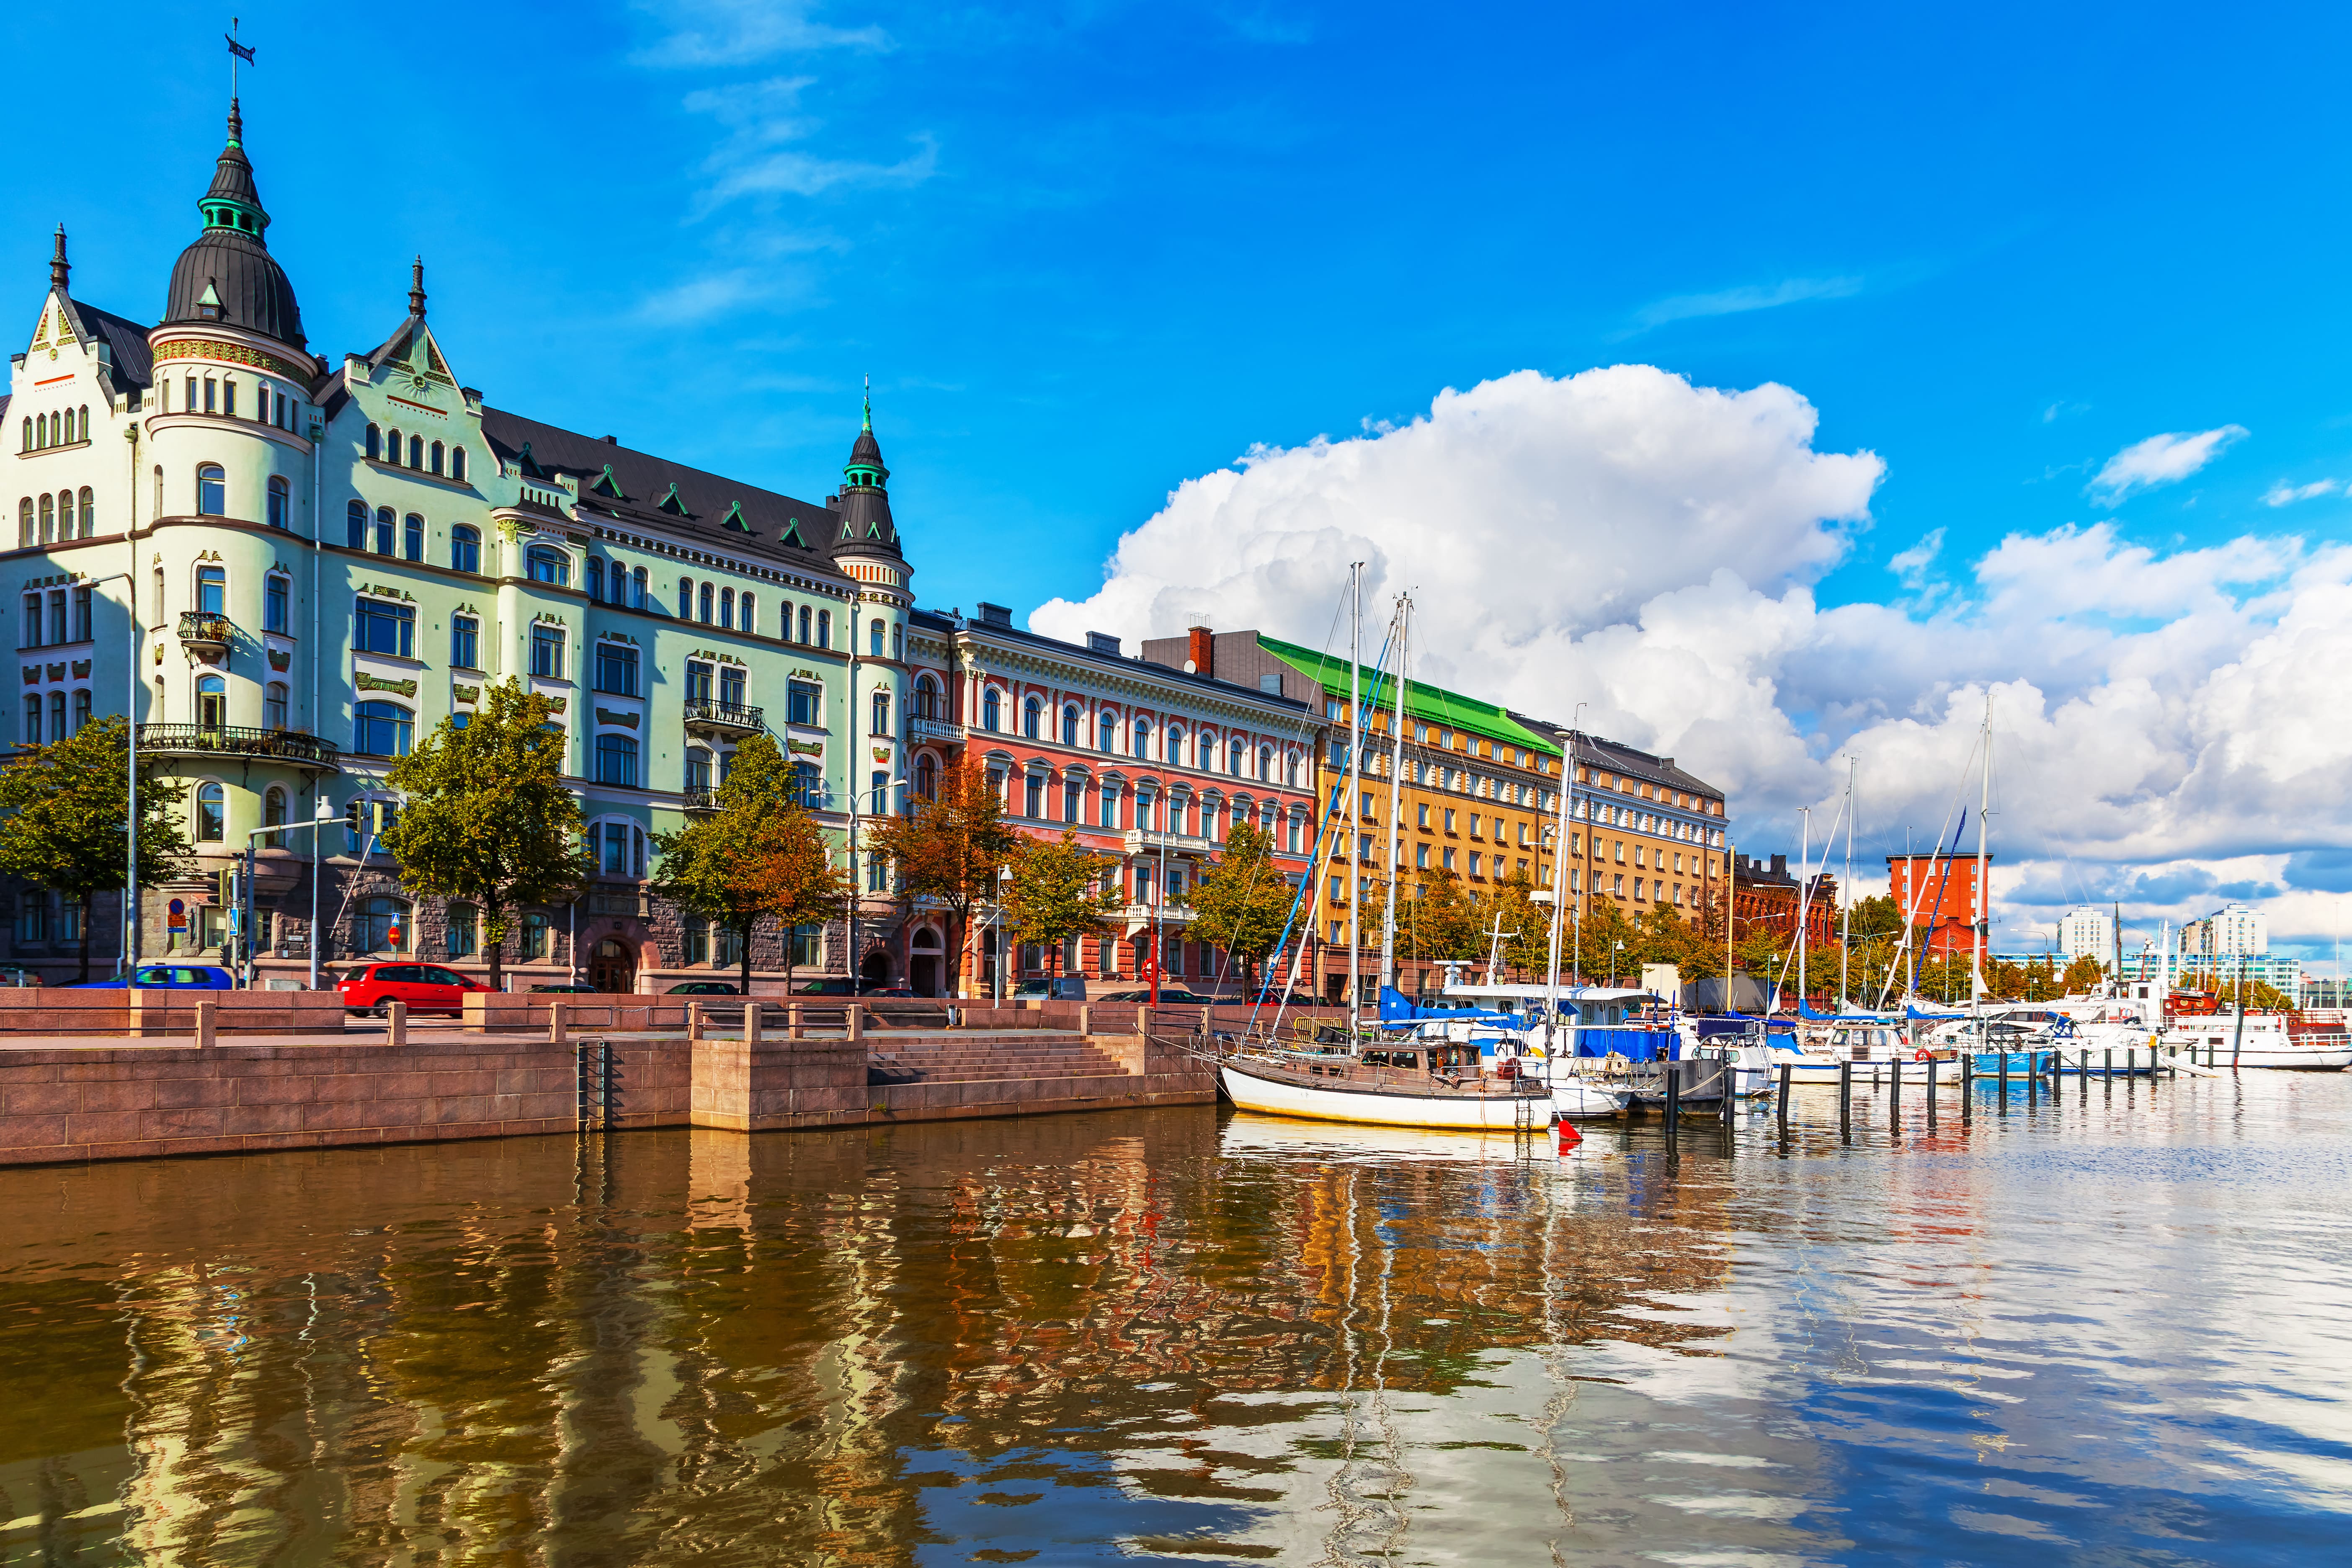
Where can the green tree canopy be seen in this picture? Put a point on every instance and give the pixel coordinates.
(62, 811)
(1060, 888)
(1244, 902)
(486, 817)
(758, 855)
(949, 847)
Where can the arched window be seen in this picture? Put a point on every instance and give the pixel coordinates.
(686, 598)
(375, 444)
(1233, 756)
(1070, 726)
(212, 814)
(40, 431)
(158, 510)
(456, 462)
(926, 776)
(24, 536)
(412, 539)
(874, 636)
(465, 549)
(48, 518)
(88, 513)
(1174, 753)
(33, 720)
(927, 699)
(433, 459)
(804, 622)
(881, 705)
(1106, 732)
(1032, 718)
(383, 729)
(28, 437)
(546, 563)
(617, 761)
(637, 589)
(281, 502)
(991, 710)
(159, 605)
(1265, 762)
(381, 926)
(417, 451)
(212, 590)
(727, 607)
(384, 531)
(85, 421)
(57, 715)
(705, 601)
(273, 814)
(212, 701)
(392, 447)
(212, 491)
(750, 619)
(824, 628)
(273, 705)
(82, 709)
(595, 584)
(808, 785)
(1143, 737)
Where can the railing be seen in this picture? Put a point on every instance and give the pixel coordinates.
(724, 715)
(241, 740)
(922, 727)
(701, 799)
(199, 626)
(1140, 840)
(1166, 914)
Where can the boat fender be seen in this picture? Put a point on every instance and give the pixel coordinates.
(1507, 1069)
(1923, 1054)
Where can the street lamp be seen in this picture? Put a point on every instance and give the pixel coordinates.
(857, 892)
(996, 925)
(1614, 949)
(130, 728)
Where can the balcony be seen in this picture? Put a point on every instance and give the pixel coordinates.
(704, 716)
(1152, 840)
(203, 630)
(700, 802)
(1140, 917)
(290, 746)
(928, 729)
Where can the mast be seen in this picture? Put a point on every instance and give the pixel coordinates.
(1560, 879)
(1804, 879)
(1396, 796)
(1846, 893)
(1984, 893)
(1350, 815)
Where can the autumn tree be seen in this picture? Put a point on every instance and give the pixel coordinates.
(758, 855)
(65, 805)
(949, 847)
(485, 816)
(2083, 975)
(1060, 889)
(1245, 901)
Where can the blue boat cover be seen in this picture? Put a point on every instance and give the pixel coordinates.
(1634, 1045)
(1915, 1016)
(1395, 1009)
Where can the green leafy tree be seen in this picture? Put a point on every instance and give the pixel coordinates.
(62, 810)
(1243, 901)
(486, 817)
(759, 855)
(1526, 925)
(950, 848)
(1598, 936)
(1877, 915)
(1060, 889)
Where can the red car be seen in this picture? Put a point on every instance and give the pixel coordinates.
(426, 987)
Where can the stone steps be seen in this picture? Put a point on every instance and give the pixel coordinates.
(998, 1058)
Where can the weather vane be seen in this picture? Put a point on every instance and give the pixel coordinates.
(237, 52)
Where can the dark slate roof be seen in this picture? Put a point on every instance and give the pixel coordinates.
(253, 288)
(867, 450)
(729, 513)
(125, 340)
(1616, 757)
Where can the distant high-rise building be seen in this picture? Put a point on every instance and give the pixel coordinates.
(2087, 931)
(2230, 932)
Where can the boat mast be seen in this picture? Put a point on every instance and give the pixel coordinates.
(1984, 893)
(1804, 878)
(1350, 815)
(1560, 877)
(1845, 934)
(1396, 797)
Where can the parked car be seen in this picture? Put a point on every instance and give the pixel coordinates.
(169, 977)
(17, 975)
(568, 990)
(1169, 997)
(841, 985)
(1054, 988)
(704, 988)
(426, 987)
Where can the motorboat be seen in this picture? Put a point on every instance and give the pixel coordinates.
(2261, 1040)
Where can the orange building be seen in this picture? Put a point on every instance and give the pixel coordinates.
(1938, 894)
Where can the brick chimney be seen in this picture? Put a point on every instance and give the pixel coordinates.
(1203, 653)
(1779, 865)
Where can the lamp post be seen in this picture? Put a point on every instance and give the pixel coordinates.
(857, 979)
(130, 728)
(1614, 949)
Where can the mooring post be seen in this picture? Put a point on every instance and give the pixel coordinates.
(1845, 1101)
(2004, 1080)
(396, 1024)
(1787, 1070)
(1674, 1098)
(1895, 1093)
(1931, 1094)
(751, 1021)
(207, 1023)
(555, 1021)
(856, 1022)
(793, 1020)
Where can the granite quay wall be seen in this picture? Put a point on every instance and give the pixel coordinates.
(151, 1014)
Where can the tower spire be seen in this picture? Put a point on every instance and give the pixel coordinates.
(416, 288)
(59, 268)
(869, 403)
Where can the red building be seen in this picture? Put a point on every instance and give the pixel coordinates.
(1146, 766)
(1766, 897)
(1938, 894)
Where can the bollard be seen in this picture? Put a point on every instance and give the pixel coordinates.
(1086, 1018)
(2131, 1062)
(2033, 1079)
(1895, 1093)
(1931, 1094)
(1674, 1098)
(2004, 1080)
(1142, 1022)
(1845, 1101)
(2108, 1065)
(793, 1021)
(694, 1021)
(396, 1022)
(207, 1023)
(856, 1022)
(555, 1022)
(1786, 1071)
(751, 1021)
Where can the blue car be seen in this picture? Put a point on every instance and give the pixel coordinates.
(169, 977)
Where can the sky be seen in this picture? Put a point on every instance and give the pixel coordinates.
(1777, 383)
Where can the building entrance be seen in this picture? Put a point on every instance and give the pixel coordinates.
(612, 966)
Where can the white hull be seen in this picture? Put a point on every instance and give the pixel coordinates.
(1383, 1108)
(1574, 1097)
(2324, 1058)
(2221, 1044)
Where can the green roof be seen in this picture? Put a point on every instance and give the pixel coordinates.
(1431, 704)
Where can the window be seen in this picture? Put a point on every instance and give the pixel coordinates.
(24, 534)
(750, 622)
(697, 682)
(804, 621)
(1174, 753)
(88, 513)
(465, 642)
(823, 629)
(384, 531)
(464, 927)
(280, 503)
(1070, 726)
(212, 491)
(273, 705)
(276, 596)
(56, 715)
(212, 591)
(82, 709)
(158, 596)
(534, 935)
(273, 814)
(803, 701)
(33, 720)
(466, 549)
(355, 521)
(1033, 799)
(1476, 862)
(617, 761)
(595, 579)
(730, 684)
(1073, 792)
(808, 785)
(926, 776)
(1143, 737)
(228, 398)
(212, 814)
(456, 462)
(381, 925)
(874, 636)
(616, 668)
(637, 589)
(413, 538)
(1233, 756)
(1031, 714)
(881, 712)
(703, 614)
(81, 606)
(545, 564)
(387, 628)
(1108, 806)
(375, 444)
(417, 451)
(547, 651)
(433, 458)
(698, 940)
(991, 710)
(1449, 860)
(686, 598)
(383, 729)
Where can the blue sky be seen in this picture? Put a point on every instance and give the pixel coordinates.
(1091, 252)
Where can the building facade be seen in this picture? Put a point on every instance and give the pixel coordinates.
(327, 559)
(1766, 896)
(2231, 932)
(2087, 931)
(1643, 833)
(1938, 894)
(1147, 766)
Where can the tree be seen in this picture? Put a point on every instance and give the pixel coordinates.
(1244, 902)
(1598, 936)
(65, 803)
(2083, 975)
(486, 817)
(759, 855)
(1060, 889)
(951, 848)
(1877, 915)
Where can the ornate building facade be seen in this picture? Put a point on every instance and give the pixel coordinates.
(291, 569)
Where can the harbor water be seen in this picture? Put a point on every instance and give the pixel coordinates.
(2109, 1326)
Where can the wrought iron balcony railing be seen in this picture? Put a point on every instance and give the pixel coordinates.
(703, 713)
(303, 750)
(205, 629)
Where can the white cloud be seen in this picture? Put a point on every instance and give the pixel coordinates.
(1911, 565)
(763, 121)
(702, 33)
(2285, 494)
(1627, 541)
(1737, 301)
(2160, 460)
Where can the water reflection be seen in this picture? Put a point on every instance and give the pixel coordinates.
(2107, 1324)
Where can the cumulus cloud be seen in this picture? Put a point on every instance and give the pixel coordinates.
(1648, 548)
(2160, 460)
(1911, 565)
(2285, 494)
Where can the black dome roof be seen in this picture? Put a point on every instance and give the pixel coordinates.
(229, 274)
